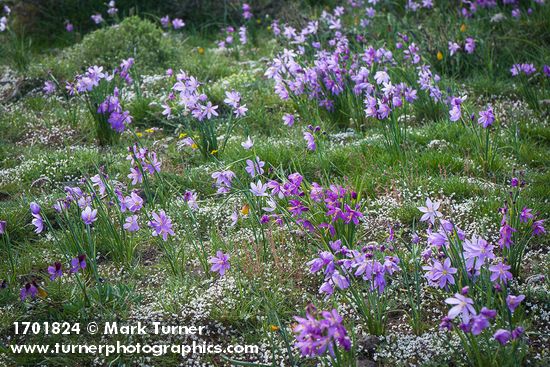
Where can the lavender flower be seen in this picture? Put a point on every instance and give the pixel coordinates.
(430, 211)
(97, 18)
(178, 23)
(538, 227)
(29, 290)
(316, 335)
(89, 216)
(55, 270)
(500, 272)
(161, 225)
(247, 144)
(310, 140)
(513, 301)
(131, 224)
(502, 336)
(220, 263)
(255, 167)
(486, 118)
(78, 263)
(462, 306)
(288, 119)
(258, 189)
(134, 202)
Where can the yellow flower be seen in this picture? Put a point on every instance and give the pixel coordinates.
(269, 28)
(463, 28)
(245, 209)
(274, 327)
(182, 135)
(258, 21)
(200, 50)
(439, 55)
(42, 293)
(139, 135)
(214, 151)
(150, 131)
(194, 146)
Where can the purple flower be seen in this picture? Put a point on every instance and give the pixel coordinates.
(430, 211)
(240, 111)
(308, 137)
(479, 323)
(232, 99)
(29, 290)
(453, 48)
(55, 270)
(135, 175)
(97, 18)
(514, 301)
(443, 273)
(89, 216)
(161, 224)
(486, 118)
(546, 70)
(3, 224)
(506, 232)
(526, 215)
(255, 167)
(38, 222)
(517, 332)
(316, 335)
(35, 208)
(220, 263)
(502, 336)
(165, 21)
(247, 144)
(134, 202)
(476, 251)
(462, 306)
(210, 110)
(258, 189)
(500, 272)
(49, 87)
(119, 120)
(538, 228)
(223, 180)
(178, 23)
(470, 45)
(78, 263)
(131, 224)
(288, 119)
(69, 27)
(247, 14)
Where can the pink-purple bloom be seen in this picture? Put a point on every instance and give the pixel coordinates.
(430, 211)
(161, 225)
(220, 263)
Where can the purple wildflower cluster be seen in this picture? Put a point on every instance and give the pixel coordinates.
(229, 37)
(4, 19)
(470, 7)
(371, 264)
(176, 23)
(466, 266)
(320, 332)
(32, 289)
(109, 106)
(142, 161)
(194, 102)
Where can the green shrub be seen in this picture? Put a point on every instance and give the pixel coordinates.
(133, 37)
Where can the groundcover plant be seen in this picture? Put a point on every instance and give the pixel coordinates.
(274, 183)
